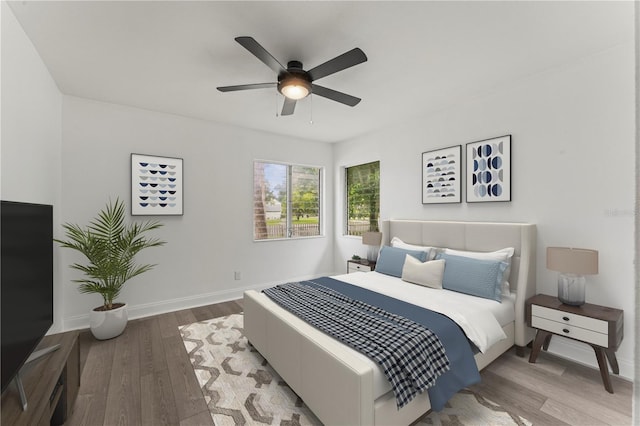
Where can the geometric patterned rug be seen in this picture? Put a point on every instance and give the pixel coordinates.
(241, 388)
(469, 408)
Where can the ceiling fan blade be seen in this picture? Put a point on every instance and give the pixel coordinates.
(261, 53)
(334, 95)
(288, 107)
(339, 63)
(247, 87)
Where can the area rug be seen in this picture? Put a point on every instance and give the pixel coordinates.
(241, 388)
(469, 408)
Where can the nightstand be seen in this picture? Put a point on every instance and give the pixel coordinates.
(362, 265)
(598, 326)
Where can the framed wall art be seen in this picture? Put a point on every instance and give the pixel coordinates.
(489, 170)
(441, 180)
(156, 185)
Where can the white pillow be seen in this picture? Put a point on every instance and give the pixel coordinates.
(503, 255)
(397, 242)
(428, 274)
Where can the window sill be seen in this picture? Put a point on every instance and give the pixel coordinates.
(314, 237)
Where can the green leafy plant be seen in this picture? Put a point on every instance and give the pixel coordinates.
(110, 245)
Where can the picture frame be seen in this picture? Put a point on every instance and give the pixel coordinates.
(156, 185)
(441, 179)
(488, 164)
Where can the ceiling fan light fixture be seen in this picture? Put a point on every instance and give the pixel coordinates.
(294, 88)
(294, 83)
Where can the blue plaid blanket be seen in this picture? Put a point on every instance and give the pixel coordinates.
(411, 356)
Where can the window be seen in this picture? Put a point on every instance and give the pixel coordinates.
(286, 201)
(363, 198)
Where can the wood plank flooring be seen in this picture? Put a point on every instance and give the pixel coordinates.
(554, 391)
(144, 377)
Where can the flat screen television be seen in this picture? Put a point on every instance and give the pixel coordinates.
(26, 281)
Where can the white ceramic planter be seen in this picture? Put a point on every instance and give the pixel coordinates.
(108, 324)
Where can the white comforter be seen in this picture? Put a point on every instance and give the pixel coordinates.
(479, 318)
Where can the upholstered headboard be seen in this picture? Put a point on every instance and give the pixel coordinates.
(480, 236)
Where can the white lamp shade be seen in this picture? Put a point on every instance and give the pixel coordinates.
(572, 260)
(372, 238)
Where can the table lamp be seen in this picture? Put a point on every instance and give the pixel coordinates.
(573, 264)
(373, 240)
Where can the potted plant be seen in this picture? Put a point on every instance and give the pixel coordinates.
(110, 246)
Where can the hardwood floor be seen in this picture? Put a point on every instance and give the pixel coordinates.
(144, 377)
(554, 391)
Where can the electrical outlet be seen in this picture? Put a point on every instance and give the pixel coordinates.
(237, 275)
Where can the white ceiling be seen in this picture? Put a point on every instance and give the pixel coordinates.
(423, 56)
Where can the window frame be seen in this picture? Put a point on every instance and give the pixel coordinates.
(289, 206)
(345, 215)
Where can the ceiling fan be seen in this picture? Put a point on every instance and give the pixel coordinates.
(294, 82)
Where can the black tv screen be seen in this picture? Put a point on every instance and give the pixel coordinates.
(26, 281)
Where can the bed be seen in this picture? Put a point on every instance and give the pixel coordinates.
(342, 386)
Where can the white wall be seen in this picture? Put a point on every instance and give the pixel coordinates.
(573, 172)
(31, 130)
(214, 237)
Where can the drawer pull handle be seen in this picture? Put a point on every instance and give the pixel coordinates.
(565, 318)
(565, 330)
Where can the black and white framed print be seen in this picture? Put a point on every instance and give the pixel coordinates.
(156, 185)
(441, 181)
(489, 170)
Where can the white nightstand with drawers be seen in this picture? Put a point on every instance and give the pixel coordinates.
(599, 326)
(360, 266)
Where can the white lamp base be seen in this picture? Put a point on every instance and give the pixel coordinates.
(571, 289)
(372, 253)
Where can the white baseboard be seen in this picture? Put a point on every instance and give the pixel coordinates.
(80, 322)
(583, 354)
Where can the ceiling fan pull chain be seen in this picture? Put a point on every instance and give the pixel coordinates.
(277, 114)
(311, 109)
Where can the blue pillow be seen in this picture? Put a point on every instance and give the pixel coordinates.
(391, 259)
(482, 278)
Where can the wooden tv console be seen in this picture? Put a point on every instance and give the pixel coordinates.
(51, 385)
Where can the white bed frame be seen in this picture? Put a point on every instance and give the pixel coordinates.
(331, 379)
